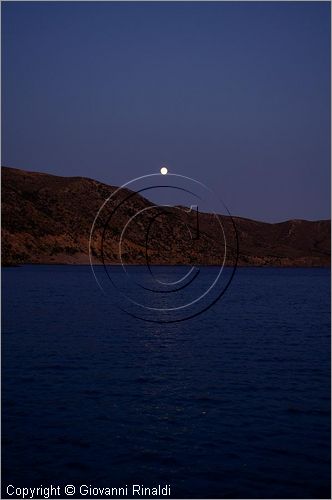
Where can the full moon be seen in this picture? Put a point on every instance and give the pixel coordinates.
(163, 170)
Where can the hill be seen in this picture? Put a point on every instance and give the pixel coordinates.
(47, 219)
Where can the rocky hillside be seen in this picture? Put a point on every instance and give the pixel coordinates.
(47, 219)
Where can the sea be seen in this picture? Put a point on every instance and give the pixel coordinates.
(232, 403)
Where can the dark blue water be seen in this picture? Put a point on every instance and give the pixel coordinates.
(235, 403)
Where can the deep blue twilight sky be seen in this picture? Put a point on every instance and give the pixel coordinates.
(236, 95)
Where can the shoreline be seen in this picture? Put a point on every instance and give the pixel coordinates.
(242, 266)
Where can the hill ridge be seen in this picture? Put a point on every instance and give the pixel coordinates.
(47, 219)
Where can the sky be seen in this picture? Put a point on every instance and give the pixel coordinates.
(233, 94)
